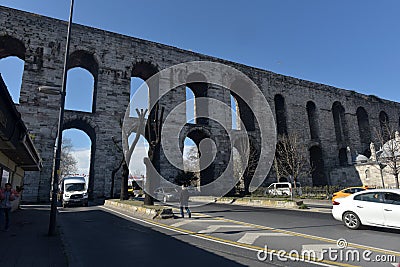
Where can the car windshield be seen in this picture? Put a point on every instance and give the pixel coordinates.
(74, 187)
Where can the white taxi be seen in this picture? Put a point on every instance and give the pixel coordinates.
(377, 207)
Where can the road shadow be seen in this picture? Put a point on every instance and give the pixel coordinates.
(27, 243)
(381, 229)
(99, 238)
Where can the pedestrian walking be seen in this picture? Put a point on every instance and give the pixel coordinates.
(6, 196)
(184, 202)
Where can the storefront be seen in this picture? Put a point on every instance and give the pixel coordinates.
(17, 152)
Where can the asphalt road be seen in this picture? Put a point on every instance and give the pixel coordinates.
(220, 235)
(312, 223)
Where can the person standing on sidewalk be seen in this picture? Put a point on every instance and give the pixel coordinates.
(184, 201)
(6, 196)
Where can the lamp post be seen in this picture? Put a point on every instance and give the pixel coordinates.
(57, 157)
(381, 167)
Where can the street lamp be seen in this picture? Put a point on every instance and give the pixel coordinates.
(381, 165)
(57, 156)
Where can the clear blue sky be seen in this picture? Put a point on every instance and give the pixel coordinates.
(349, 44)
(353, 45)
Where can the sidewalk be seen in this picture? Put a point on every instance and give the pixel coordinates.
(27, 243)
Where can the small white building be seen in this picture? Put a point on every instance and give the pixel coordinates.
(375, 171)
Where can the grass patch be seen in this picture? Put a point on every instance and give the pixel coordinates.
(303, 207)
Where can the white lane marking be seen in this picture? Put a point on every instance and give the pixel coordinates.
(213, 228)
(206, 238)
(183, 222)
(250, 238)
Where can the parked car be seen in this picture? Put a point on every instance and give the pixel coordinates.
(376, 207)
(283, 189)
(348, 191)
(167, 194)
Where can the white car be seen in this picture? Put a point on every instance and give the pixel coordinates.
(283, 189)
(377, 207)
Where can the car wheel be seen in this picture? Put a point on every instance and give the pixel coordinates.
(351, 220)
(165, 199)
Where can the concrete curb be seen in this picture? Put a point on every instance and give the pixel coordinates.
(248, 202)
(158, 212)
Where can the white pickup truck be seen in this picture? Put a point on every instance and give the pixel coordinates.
(73, 191)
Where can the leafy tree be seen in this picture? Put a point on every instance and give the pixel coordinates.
(68, 163)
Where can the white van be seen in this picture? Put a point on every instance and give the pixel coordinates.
(282, 189)
(72, 190)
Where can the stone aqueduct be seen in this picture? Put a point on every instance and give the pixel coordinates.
(327, 119)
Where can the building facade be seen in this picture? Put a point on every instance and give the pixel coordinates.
(17, 152)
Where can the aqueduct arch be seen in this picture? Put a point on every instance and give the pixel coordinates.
(10, 46)
(88, 127)
(85, 60)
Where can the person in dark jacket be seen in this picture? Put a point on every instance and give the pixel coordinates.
(6, 196)
(184, 201)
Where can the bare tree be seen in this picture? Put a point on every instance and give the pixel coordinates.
(389, 154)
(290, 159)
(238, 168)
(115, 170)
(186, 178)
(127, 152)
(68, 162)
(249, 157)
(154, 127)
(238, 171)
(191, 162)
